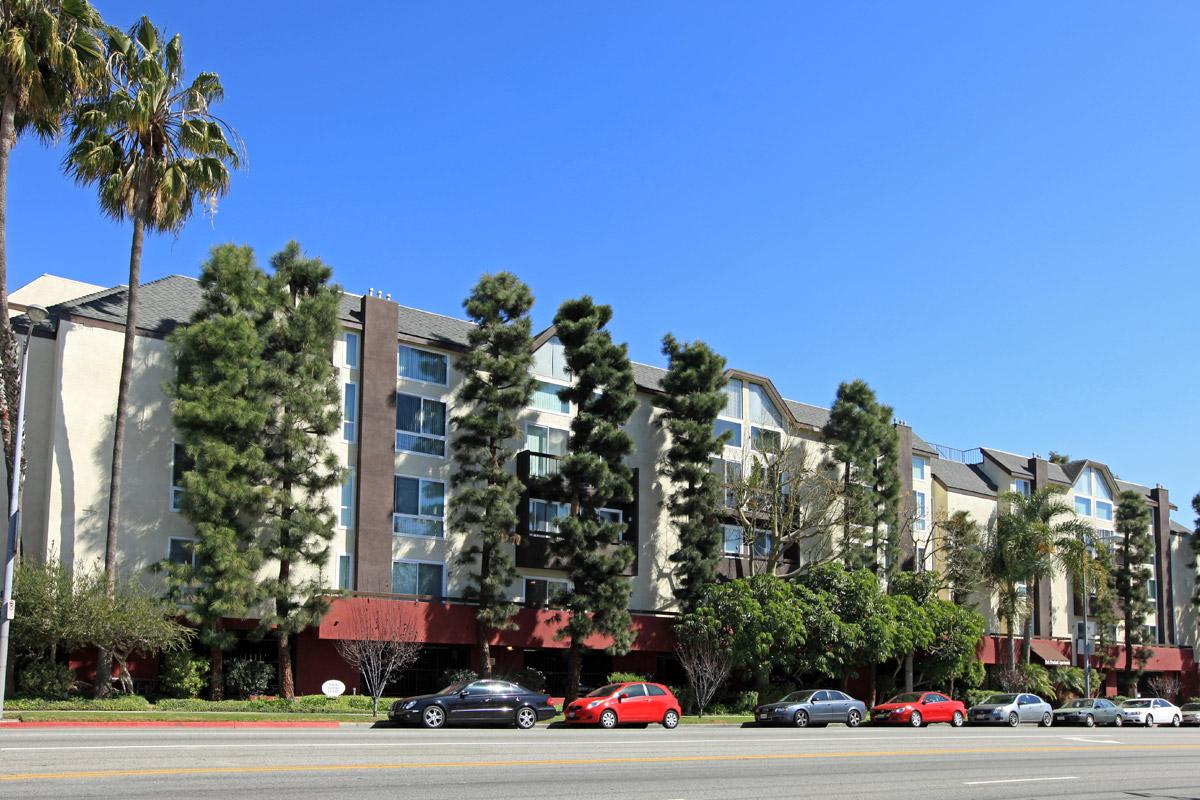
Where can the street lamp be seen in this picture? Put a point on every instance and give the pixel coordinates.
(35, 315)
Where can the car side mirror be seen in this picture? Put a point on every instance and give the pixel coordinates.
(462, 693)
(620, 698)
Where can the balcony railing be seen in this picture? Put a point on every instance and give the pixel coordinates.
(972, 456)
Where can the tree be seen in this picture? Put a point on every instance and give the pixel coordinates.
(49, 622)
(153, 148)
(50, 55)
(1059, 458)
(1134, 551)
(595, 476)
(127, 622)
(1195, 561)
(300, 468)
(864, 445)
(705, 659)
(693, 398)
(385, 644)
(219, 407)
(961, 547)
(497, 385)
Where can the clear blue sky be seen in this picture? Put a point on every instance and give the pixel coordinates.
(988, 212)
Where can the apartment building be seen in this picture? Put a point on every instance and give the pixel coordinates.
(396, 367)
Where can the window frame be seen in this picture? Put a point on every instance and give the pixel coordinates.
(174, 492)
(920, 511)
(550, 590)
(343, 508)
(188, 539)
(443, 438)
(924, 469)
(349, 411)
(726, 528)
(418, 516)
(419, 561)
(346, 559)
(347, 361)
(399, 361)
(541, 382)
(558, 503)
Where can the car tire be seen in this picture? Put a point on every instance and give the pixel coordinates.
(525, 718)
(915, 720)
(1118, 721)
(1013, 719)
(1176, 721)
(854, 718)
(1090, 721)
(957, 720)
(608, 719)
(433, 717)
(670, 720)
(800, 719)
(1047, 720)
(1149, 720)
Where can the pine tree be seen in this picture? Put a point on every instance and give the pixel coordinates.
(595, 476)
(300, 467)
(220, 413)
(1135, 550)
(885, 490)
(497, 385)
(1196, 550)
(693, 399)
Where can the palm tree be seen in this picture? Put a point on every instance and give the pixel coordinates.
(50, 55)
(153, 147)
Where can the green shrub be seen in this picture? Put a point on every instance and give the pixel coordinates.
(1037, 680)
(47, 679)
(122, 702)
(245, 677)
(684, 695)
(776, 692)
(1068, 680)
(625, 677)
(977, 696)
(1120, 699)
(532, 679)
(717, 709)
(458, 675)
(745, 702)
(183, 675)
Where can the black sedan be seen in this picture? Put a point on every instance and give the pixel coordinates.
(484, 702)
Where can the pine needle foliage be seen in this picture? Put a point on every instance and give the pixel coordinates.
(1131, 577)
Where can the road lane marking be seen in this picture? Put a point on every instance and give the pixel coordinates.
(1021, 780)
(1090, 740)
(559, 762)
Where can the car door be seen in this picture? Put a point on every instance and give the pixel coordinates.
(819, 706)
(1106, 712)
(1025, 708)
(469, 705)
(632, 704)
(839, 706)
(501, 702)
(939, 708)
(657, 702)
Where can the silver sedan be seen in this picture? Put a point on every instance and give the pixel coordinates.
(1012, 710)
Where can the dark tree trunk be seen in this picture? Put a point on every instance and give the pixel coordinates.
(287, 688)
(284, 653)
(216, 675)
(908, 671)
(482, 630)
(1027, 644)
(485, 654)
(574, 668)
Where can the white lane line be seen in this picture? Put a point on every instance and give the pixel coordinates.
(1090, 740)
(1021, 780)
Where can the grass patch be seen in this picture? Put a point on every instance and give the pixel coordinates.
(716, 719)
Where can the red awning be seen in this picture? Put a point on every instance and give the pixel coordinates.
(1050, 655)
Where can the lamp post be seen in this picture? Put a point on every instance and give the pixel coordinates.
(34, 316)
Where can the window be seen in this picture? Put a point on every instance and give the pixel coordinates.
(733, 399)
(417, 578)
(613, 515)
(180, 463)
(920, 559)
(1022, 486)
(418, 506)
(733, 540)
(762, 543)
(919, 516)
(544, 592)
(545, 398)
(350, 342)
(636, 690)
(765, 441)
(422, 365)
(1152, 634)
(1083, 506)
(345, 571)
(346, 514)
(735, 432)
(654, 691)
(349, 411)
(1152, 590)
(552, 442)
(1091, 484)
(1104, 510)
(420, 425)
(820, 697)
(179, 550)
(545, 514)
(729, 472)
(762, 410)
(550, 361)
(919, 466)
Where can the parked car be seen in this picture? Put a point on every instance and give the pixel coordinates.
(1012, 710)
(815, 707)
(1151, 711)
(477, 702)
(625, 703)
(920, 708)
(1089, 711)
(1190, 714)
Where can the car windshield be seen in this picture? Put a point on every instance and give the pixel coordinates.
(604, 691)
(910, 697)
(1079, 704)
(1191, 707)
(1137, 704)
(1001, 699)
(797, 697)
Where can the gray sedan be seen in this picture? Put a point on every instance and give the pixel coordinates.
(812, 707)
(1011, 710)
(1089, 711)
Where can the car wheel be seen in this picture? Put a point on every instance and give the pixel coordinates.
(1118, 721)
(1047, 720)
(915, 720)
(608, 719)
(1149, 720)
(526, 718)
(1090, 721)
(433, 717)
(854, 718)
(800, 720)
(1176, 721)
(957, 719)
(670, 719)
(1013, 719)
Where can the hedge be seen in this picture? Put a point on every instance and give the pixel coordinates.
(125, 702)
(305, 704)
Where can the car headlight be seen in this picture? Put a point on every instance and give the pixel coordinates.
(594, 703)
(907, 708)
(996, 712)
(410, 704)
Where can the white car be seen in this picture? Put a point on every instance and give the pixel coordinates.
(1151, 711)
(1191, 713)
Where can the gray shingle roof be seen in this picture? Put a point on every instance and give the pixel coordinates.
(1180, 528)
(922, 446)
(962, 477)
(1124, 486)
(1012, 463)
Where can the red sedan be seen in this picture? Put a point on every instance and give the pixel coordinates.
(625, 703)
(920, 708)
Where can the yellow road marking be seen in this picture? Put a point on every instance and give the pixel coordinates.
(570, 762)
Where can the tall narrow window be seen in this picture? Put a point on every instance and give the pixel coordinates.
(179, 550)
(349, 411)
(420, 425)
(346, 512)
(1021, 486)
(419, 506)
(345, 572)
(733, 399)
(545, 514)
(417, 578)
(350, 342)
(732, 536)
(919, 465)
(547, 445)
(762, 410)
(550, 361)
(423, 365)
(919, 519)
(180, 463)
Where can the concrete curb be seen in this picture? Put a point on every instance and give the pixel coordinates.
(162, 723)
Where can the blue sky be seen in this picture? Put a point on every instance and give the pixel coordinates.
(988, 212)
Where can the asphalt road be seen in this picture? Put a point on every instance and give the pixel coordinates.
(691, 762)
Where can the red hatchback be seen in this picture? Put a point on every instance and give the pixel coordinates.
(625, 703)
(920, 708)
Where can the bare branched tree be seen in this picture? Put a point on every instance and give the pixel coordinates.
(385, 643)
(1165, 686)
(707, 664)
